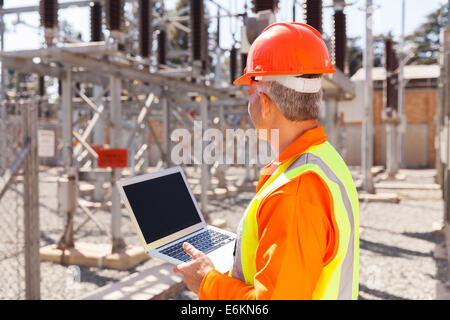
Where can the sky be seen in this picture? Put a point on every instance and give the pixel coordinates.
(387, 18)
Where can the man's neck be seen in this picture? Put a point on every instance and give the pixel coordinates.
(290, 132)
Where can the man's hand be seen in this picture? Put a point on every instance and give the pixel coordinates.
(194, 271)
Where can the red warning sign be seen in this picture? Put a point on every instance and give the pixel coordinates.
(114, 158)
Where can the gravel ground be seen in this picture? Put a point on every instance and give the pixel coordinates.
(396, 255)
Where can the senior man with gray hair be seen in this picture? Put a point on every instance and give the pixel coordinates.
(298, 238)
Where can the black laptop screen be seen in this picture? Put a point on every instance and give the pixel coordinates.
(162, 206)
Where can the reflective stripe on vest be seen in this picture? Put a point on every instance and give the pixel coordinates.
(339, 278)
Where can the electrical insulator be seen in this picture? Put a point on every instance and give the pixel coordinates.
(162, 46)
(96, 21)
(395, 82)
(293, 12)
(339, 41)
(145, 27)
(60, 87)
(233, 64)
(41, 86)
(77, 92)
(261, 5)
(48, 11)
(114, 13)
(312, 11)
(205, 48)
(196, 36)
(218, 29)
(391, 64)
(243, 62)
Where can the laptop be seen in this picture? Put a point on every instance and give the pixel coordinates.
(166, 214)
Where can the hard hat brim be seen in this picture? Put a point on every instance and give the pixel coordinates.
(242, 80)
(245, 79)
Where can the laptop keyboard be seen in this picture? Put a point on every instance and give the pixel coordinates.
(205, 241)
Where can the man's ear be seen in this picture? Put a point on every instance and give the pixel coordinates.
(267, 104)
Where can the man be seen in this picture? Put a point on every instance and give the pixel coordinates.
(298, 239)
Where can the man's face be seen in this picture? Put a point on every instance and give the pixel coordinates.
(255, 106)
(262, 121)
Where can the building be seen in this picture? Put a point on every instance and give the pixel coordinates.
(421, 83)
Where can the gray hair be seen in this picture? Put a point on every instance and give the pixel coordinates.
(295, 106)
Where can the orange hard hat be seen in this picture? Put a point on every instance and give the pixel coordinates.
(287, 48)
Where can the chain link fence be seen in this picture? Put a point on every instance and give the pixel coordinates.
(15, 150)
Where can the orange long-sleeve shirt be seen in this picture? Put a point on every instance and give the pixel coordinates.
(297, 236)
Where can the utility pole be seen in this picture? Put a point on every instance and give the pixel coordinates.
(445, 105)
(401, 93)
(3, 115)
(115, 87)
(367, 134)
(31, 202)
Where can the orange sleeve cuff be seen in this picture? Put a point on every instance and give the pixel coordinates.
(219, 286)
(205, 287)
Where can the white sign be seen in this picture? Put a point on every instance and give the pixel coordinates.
(46, 143)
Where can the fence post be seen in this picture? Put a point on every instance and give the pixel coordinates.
(31, 203)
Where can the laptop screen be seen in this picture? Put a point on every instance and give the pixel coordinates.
(162, 206)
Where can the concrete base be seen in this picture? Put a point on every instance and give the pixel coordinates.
(85, 188)
(407, 186)
(220, 193)
(95, 255)
(232, 190)
(398, 177)
(156, 283)
(379, 197)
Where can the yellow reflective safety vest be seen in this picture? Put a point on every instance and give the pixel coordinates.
(339, 278)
